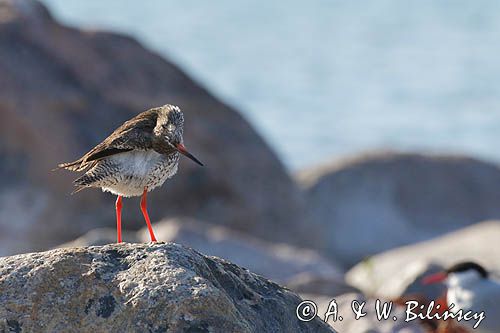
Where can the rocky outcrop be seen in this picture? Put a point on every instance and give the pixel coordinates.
(377, 202)
(279, 262)
(398, 272)
(62, 90)
(141, 288)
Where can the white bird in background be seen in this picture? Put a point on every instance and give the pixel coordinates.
(470, 288)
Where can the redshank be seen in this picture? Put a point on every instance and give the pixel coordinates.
(136, 158)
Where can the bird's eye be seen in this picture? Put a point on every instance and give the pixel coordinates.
(171, 127)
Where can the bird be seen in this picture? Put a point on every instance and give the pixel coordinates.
(136, 158)
(470, 288)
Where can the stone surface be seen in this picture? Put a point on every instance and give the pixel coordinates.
(141, 288)
(377, 202)
(398, 272)
(282, 263)
(63, 90)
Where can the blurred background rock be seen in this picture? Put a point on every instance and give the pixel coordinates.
(64, 89)
(358, 138)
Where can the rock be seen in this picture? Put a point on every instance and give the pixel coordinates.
(279, 262)
(63, 90)
(377, 202)
(368, 323)
(141, 288)
(309, 283)
(398, 272)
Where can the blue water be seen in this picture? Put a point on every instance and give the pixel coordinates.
(321, 79)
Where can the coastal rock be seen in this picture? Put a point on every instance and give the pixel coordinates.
(282, 263)
(63, 90)
(399, 271)
(141, 288)
(377, 202)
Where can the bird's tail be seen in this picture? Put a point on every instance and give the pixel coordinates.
(77, 165)
(89, 179)
(79, 188)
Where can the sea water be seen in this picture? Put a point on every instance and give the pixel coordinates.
(321, 79)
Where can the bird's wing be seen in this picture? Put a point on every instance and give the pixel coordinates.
(137, 133)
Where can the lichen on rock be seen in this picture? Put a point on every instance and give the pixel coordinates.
(141, 288)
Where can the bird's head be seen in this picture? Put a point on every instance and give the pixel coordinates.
(170, 128)
(461, 273)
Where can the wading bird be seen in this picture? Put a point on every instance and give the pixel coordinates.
(136, 158)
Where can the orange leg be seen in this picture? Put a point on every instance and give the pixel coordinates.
(119, 206)
(146, 216)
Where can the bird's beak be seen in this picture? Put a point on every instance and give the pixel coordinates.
(180, 147)
(434, 278)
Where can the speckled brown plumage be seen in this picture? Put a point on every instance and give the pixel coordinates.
(140, 154)
(136, 133)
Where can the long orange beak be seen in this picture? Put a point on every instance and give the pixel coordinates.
(434, 278)
(180, 147)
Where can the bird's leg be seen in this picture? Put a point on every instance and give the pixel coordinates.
(119, 218)
(146, 216)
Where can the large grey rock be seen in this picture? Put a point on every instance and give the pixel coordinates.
(299, 269)
(141, 288)
(62, 90)
(278, 262)
(377, 202)
(399, 271)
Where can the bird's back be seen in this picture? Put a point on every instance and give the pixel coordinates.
(139, 154)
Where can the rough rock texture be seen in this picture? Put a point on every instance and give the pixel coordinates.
(367, 324)
(141, 288)
(381, 201)
(398, 272)
(62, 90)
(279, 262)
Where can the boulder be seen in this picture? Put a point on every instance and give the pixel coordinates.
(141, 288)
(398, 272)
(63, 90)
(282, 263)
(376, 202)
